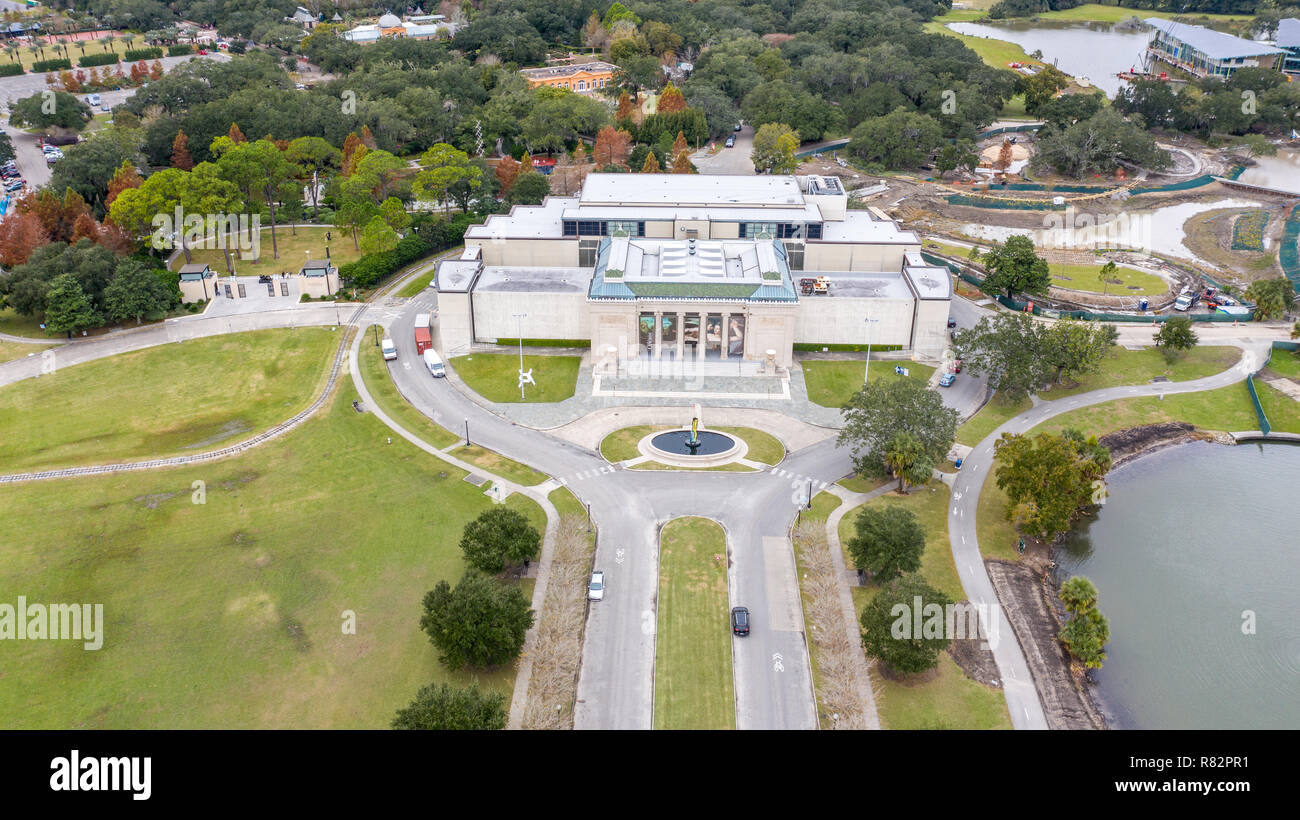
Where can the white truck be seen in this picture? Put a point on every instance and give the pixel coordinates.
(390, 350)
(434, 362)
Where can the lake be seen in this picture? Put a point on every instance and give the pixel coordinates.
(1281, 171)
(1157, 231)
(1192, 540)
(1097, 51)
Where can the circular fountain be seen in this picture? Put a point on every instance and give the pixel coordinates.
(691, 446)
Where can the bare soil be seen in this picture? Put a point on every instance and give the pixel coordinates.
(1020, 589)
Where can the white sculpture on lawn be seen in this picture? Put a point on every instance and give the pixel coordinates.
(526, 377)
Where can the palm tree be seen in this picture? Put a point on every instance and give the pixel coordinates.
(108, 40)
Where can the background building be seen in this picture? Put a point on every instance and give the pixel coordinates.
(1288, 39)
(1204, 52)
(681, 267)
(582, 78)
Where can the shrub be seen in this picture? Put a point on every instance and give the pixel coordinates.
(180, 50)
(134, 55)
(10, 70)
(60, 64)
(97, 60)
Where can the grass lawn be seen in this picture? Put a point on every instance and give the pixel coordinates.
(693, 681)
(495, 376)
(1083, 277)
(374, 371)
(499, 464)
(951, 700)
(833, 383)
(1285, 363)
(930, 506)
(14, 324)
(26, 58)
(620, 445)
(228, 614)
(417, 285)
(1097, 12)
(861, 484)
(996, 53)
(18, 350)
(1124, 366)
(996, 412)
(1283, 411)
(1015, 109)
(1225, 409)
(949, 249)
(293, 251)
(164, 400)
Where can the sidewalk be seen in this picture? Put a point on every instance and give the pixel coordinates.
(549, 416)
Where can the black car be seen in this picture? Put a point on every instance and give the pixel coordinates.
(737, 128)
(740, 620)
(952, 322)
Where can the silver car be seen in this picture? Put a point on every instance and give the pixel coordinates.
(596, 589)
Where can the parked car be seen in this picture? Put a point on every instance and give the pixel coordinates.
(952, 322)
(947, 379)
(300, 86)
(737, 128)
(740, 620)
(731, 142)
(956, 365)
(596, 589)
(106, 108)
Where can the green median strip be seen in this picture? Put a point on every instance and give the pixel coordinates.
(693, 679)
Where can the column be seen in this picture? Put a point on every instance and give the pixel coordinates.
(659, 333)
(726, 335)
(681, 333)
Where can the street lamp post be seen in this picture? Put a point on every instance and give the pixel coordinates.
(519, 328)
(866, 371)
(467, 431)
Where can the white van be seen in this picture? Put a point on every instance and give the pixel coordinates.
(434, 362)
(390, 350)
(92, 99)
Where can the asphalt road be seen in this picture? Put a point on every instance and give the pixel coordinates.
(615, 689)
(735, 160)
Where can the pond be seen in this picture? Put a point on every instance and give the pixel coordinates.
(1096, 51)
(1281, 171)
(1157, 231)
(1196, 543)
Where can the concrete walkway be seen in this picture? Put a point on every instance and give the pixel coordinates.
(553, 415)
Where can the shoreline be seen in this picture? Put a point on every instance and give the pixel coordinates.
(1127, 446)
(1052, 669)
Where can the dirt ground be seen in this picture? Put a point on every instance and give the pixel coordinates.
(1020, 589)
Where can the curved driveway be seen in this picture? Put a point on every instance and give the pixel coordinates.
(616, 686)
(1017, 682)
